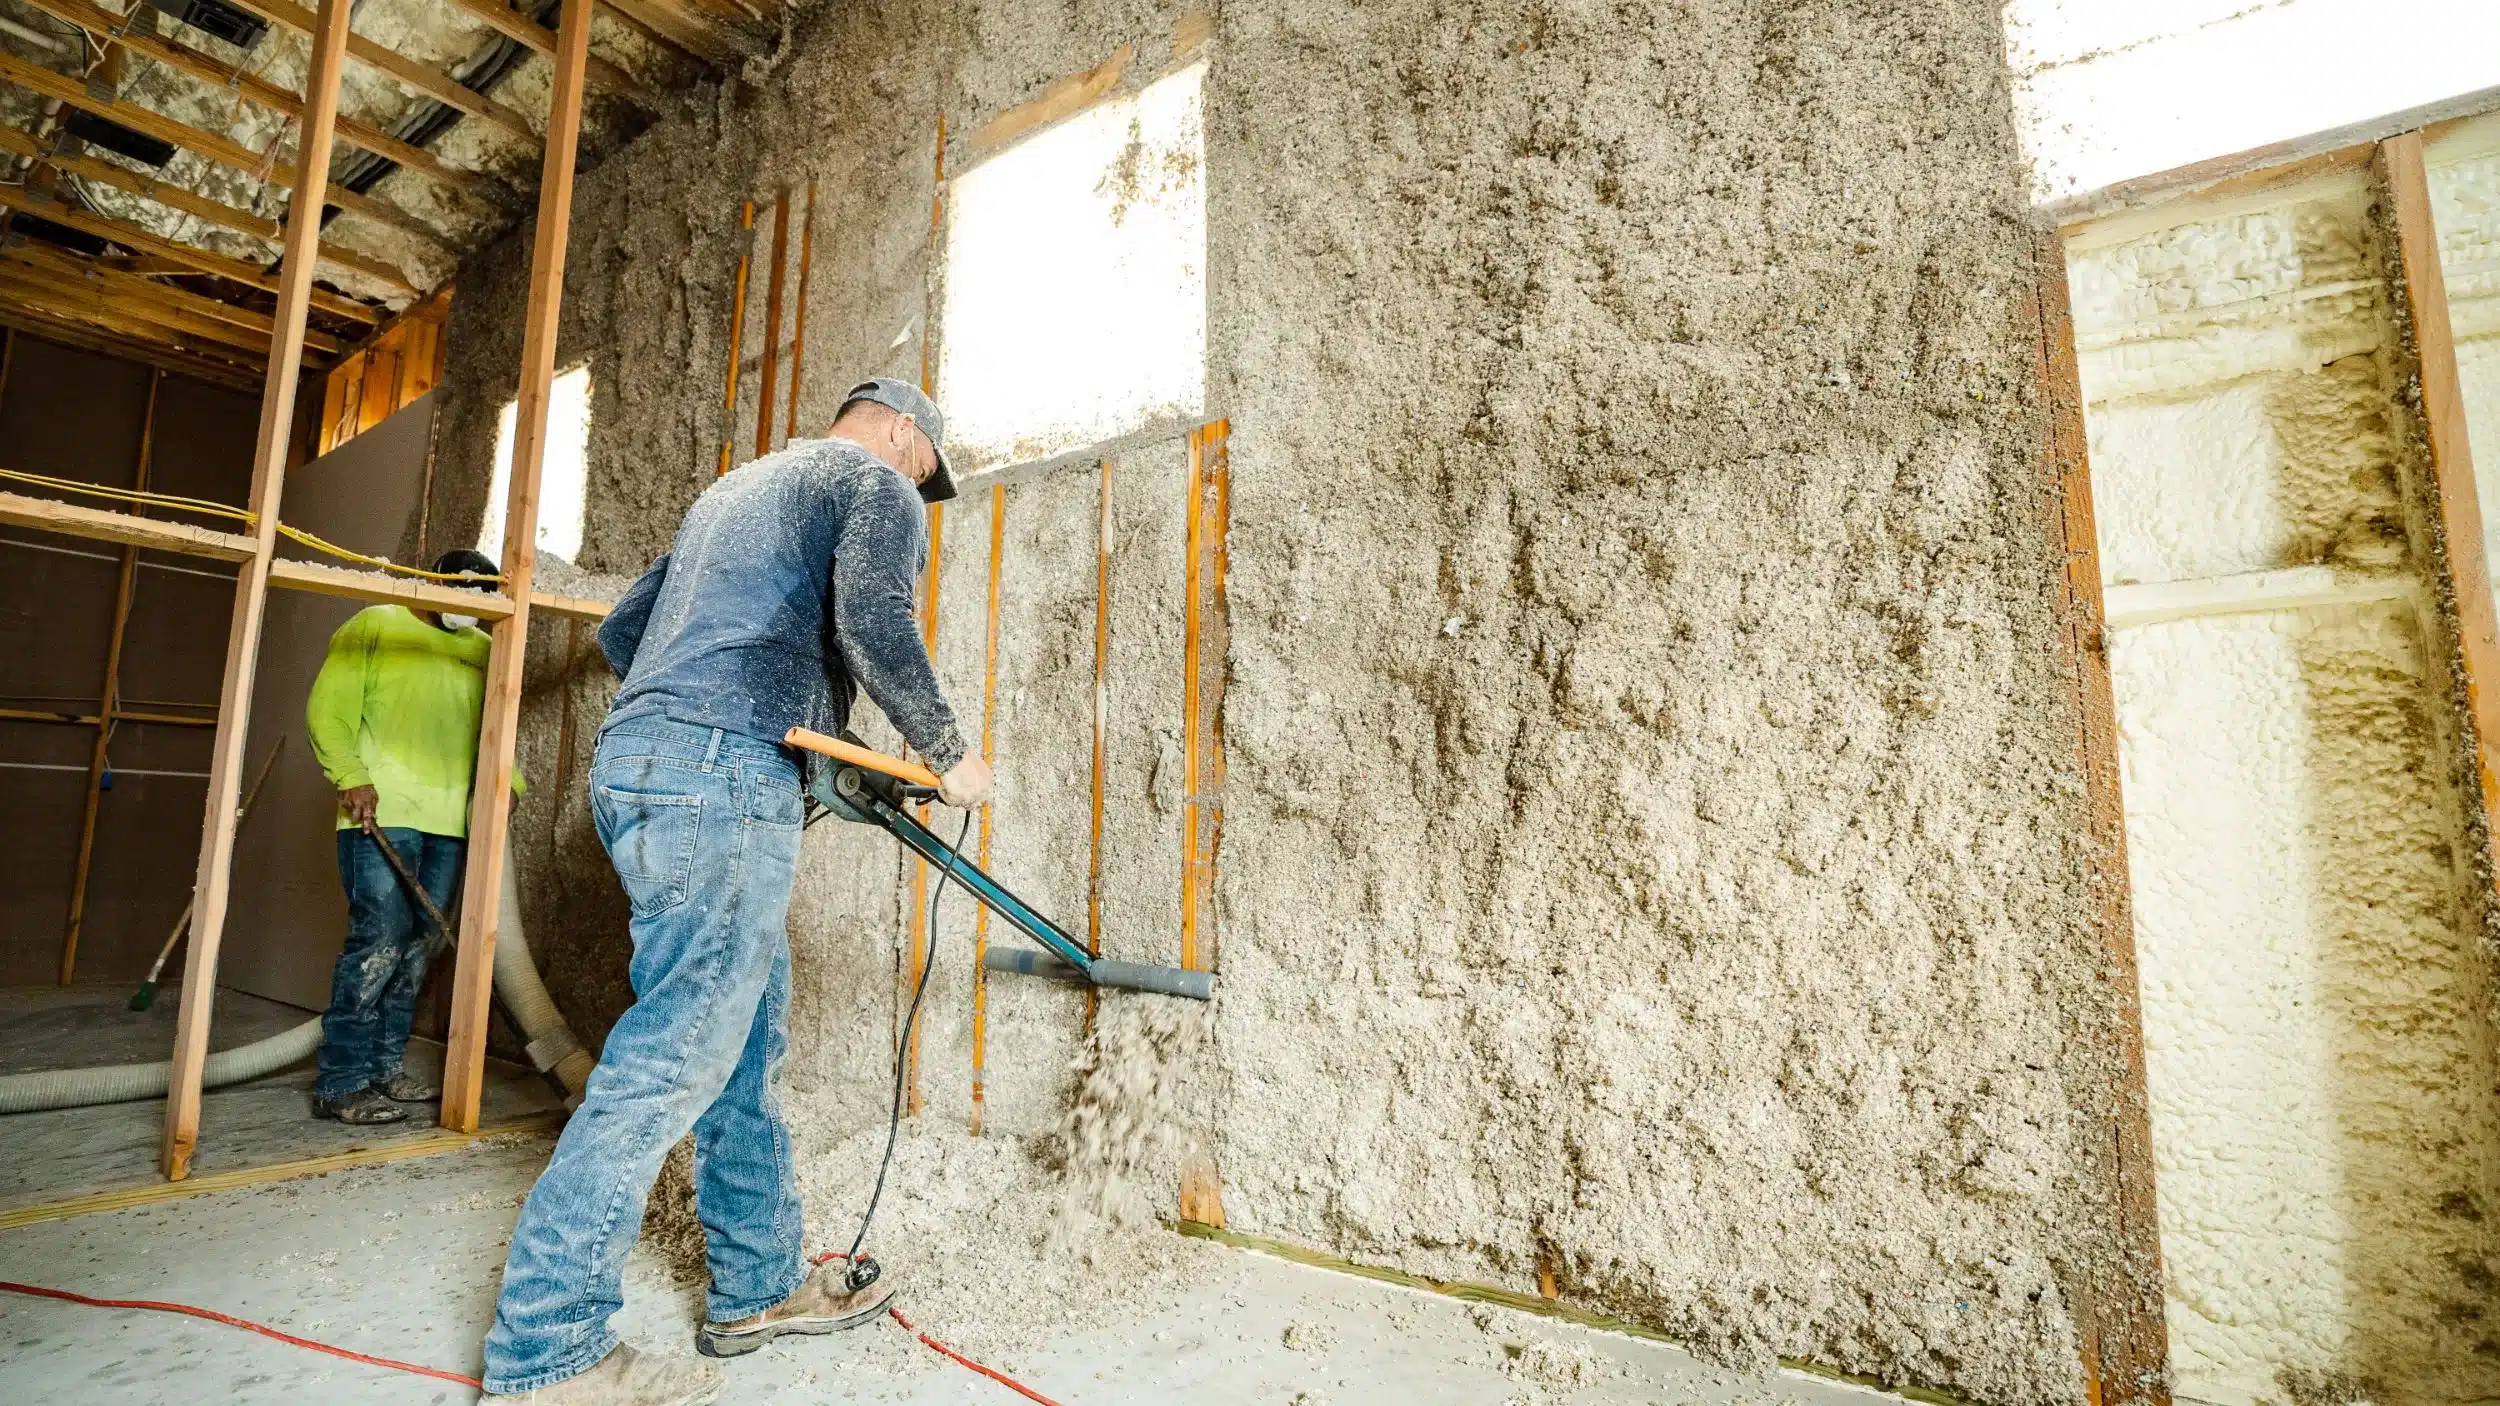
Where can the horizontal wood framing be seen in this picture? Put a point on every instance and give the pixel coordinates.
(2202, 178)
(147, 351)
(414, 76)
(190, 202)
(1064, 97)
(700, 36)
(60, 268)
(131, 236)
(541, 40)
(143, 315)
(353, 583)
(184, 59)
(574, 607)
(45, 82)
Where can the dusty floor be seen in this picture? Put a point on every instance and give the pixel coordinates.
(402, 1261)
(68, 1152)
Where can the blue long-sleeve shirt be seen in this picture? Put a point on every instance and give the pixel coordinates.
(788, 588)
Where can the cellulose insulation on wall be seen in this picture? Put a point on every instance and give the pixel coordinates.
(2316, 1012)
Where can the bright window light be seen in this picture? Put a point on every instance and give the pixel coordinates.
(563, 479)
(1076, 290)
(2108, 90)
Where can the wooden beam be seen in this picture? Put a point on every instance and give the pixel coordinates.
(540, 40)
(16, 199)
(414, 76)
(2452, 460)
(46, 83)
(45, 265)
(2118, 1302)
(108, 698)
(358, 583)
(798, 331)
(189, 202)
(234, 703)
(1064, 98)
(737, 335)
(572, 607)
(98, 525)
(989, 755)
(113, 29)
(166, 356)
(134, 320)
(1205, 652)
(490, 805)
(768, 371)
(697, 35)
(2180, 182)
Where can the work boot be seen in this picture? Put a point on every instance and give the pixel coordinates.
(629, 1378)
(360, 1106)
(824, 1304)
(405, 1087)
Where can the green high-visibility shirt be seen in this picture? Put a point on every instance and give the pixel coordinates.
(395, 707)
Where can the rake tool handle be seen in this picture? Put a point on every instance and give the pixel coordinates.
(910, 772)
(183, 923)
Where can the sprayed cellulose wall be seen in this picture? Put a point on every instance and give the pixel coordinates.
(2317, 1039)
(1652, 832)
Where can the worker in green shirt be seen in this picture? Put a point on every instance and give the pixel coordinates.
(393, 719)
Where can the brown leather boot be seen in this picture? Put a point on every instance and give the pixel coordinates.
(824, 1304)
(629, 1378)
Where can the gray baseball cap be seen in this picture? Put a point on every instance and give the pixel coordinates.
(906, 398)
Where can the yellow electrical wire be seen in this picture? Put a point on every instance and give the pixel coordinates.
(203, 505)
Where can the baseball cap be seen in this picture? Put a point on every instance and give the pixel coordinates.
(464, 561)
(906, 398)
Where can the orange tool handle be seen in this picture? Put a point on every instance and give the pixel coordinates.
(841, 751)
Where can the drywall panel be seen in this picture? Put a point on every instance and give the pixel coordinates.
(288, 917)
(2317, 1038)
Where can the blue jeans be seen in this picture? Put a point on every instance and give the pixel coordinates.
(373, 990)
(703, 828)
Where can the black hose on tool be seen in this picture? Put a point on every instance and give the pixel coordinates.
(864, 1270)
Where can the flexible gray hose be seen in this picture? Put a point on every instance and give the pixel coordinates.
(552, 1047)
(123, 1083)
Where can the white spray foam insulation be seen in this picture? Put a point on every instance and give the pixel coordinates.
(2318, 1049)
(2465, 206)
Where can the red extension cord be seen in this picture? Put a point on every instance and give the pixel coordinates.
(38, 1291)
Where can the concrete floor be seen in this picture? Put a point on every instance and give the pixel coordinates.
(55, 1155)
(402, 1260)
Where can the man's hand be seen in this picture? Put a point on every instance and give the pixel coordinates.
(357, 804)
(970, 784)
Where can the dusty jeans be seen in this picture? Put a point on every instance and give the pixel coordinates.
(703, 828)
(373, 990)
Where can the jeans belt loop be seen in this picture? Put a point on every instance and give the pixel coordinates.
(711, 754)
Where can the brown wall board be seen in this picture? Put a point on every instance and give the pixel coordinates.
(290, 915)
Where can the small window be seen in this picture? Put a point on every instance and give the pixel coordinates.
(562, 480)
(1076, 291)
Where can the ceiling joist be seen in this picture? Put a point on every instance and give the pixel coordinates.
(131, 236)
(48, 83)
(540, 40)
(414, 76)
(184, 59)
(34, 260)
(699, 36)
(176, 197)
(153, 346)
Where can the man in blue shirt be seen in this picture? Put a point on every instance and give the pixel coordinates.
(788, 588)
